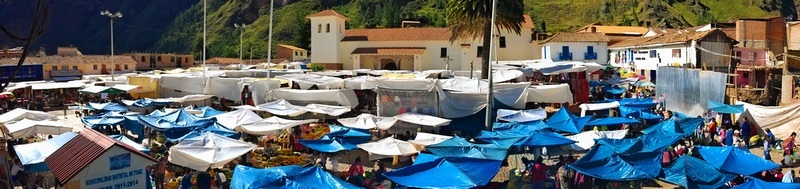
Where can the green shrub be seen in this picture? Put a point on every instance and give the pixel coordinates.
(315, 67)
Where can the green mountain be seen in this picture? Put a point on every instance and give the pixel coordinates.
(176, 25)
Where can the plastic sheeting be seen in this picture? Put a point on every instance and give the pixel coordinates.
(180, 119)
(755, 183)
(693, 173)
(521, 115)
(565, 121)
(458, 147)
(585, 140)
(425, 139)
(550, 93)
(199, 128)
(271, 125)
(340, 138)
(689, 90)
(287, 177)
(231, 88)
(684, 127)
(32, 155)
(209, 111)
(234, 119)
(455, 104)
(327, 109)
(598, 106)
(26, 128)
(107, 119)
(20, 114)
(543, 139)
(368, 121)
(608, 121)
(735, 160)
(517, 127)
(144, 103)
(131, 143)
(173, 85)
(781, 120)
(341, 97)
(429, 171)
(724, 108)
(389, 147)
(641, 144)
(398, 101)
(109, 106)
(642, 166)
(281, 107)
(207, 151)
(307, 80)
(420, 119)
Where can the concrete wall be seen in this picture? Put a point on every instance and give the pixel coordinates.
(578, 50)
(642, 59)
(325, 44)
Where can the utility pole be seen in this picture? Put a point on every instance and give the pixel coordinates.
(269, 48)
(205, 5)
(111, 17)
(489, 97)
(241, 42)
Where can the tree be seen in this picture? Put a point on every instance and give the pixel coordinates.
(38, 27)
(471, 19)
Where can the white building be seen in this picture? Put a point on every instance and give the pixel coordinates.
(407, 48)
(709, 49)
(581, 46)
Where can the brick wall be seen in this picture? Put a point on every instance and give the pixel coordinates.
(285, 53)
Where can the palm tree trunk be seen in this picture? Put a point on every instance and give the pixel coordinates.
(487, 41)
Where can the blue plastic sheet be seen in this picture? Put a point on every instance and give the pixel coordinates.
(338, 139)
(637, 102)
(565, 121)
(755, 183)
(724, 108)
(144, 103)
(131, 143)
(520, 127)
(640, 144)
(543, 139)
(504, 139)
(106, 119)
(286, 177)
(32, 155)
(176, 119)
(620, 167)
(109, 106)
(179, 133)
(734, 160)
(614, 90)
(430, 171)
(693, 173)
(458, 147)
(684, 127)
(209, 111)
(608, 121)
(347, 132)
(132, 124)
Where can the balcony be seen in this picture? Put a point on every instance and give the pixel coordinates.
(565, 56)
(590, 56)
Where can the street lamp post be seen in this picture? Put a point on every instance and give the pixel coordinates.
(111, 17)
(241, 40)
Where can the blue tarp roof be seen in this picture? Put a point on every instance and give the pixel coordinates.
(644, 114)
(620, 167)
(131, 143)
(614, 90)
(520, 127)
(32, 155)
(684, 127)
(755, 183)
(640, 102)
(339, 138)
(645, 143)
(109, 106)
(209, 111)
(177, 134)
(347, 132)
(734, 160)
(724, 108)
(458, 147)
(176, 119)
(612, 121)
(106, 119)
(146, 102)
(430, 171)
(285, 177)
(499, 138)
(565, 121)
(693, 173)
(132, 124)
(544, 139)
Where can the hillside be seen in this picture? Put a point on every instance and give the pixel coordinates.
(176, 26)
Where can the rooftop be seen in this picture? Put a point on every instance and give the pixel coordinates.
(616, 30)
(57, 60)
(576, 37)
(397, 34)
(390, 51)
(327, 13)
(671, 38)
(292, 47)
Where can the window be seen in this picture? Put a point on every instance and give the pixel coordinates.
(159, 58)
(480, 51)
(676, 53)
(55, 67)
(126, 66)
(64, 67)
(443, 53)
(327, 28)
(319, 28)
(172, 59)
(296, 54)
(75, 67)
(142, 58)
(94, 67)
(502, 42)
(653, 54)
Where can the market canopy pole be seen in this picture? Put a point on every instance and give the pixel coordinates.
(489, 97)
(204, 42)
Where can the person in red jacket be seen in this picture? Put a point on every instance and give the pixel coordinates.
(538, 173)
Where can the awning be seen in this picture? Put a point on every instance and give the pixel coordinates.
(66, 78)
(390, 51)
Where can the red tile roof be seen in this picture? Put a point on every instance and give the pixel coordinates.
(390, 51)
(528, 22)
(325, 13)
(576, 37)
(397, 34)
(75, 155)
(678, 37)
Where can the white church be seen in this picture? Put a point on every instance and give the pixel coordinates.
(414, 49)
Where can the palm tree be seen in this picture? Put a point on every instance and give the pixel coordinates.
(471, 19)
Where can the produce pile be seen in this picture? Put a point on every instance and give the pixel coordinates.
(281, 157)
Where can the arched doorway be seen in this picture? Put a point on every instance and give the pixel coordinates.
(389, 64)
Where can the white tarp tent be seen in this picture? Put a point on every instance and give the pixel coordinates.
(550, 93)
(231, 88)
(236, 118)
(180, 84)
(342, 97)
(207, 151)
(26, 127)
(521, 115)
(20, 114)
(360, 82)
(421, 119)
(327, 109)
(597, 106)
(271, 125)
(307, 80)
(281, 107)
(781, 120)
(586, 140)
(425, 139)
(368, 121)
(188, 98)
(47, 86)
(389, 147)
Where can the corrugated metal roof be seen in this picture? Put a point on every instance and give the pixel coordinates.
(75, 155)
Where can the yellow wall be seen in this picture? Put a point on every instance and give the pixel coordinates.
(150, 86)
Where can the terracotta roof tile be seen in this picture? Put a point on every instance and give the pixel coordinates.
(397, 34)
(528, 22)
(75, 155)
(84, 59)
(624, 30)
(221, 60)
(292, 47)
(390, 51)
(576, 37)
(325, 13)
(678, 37)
